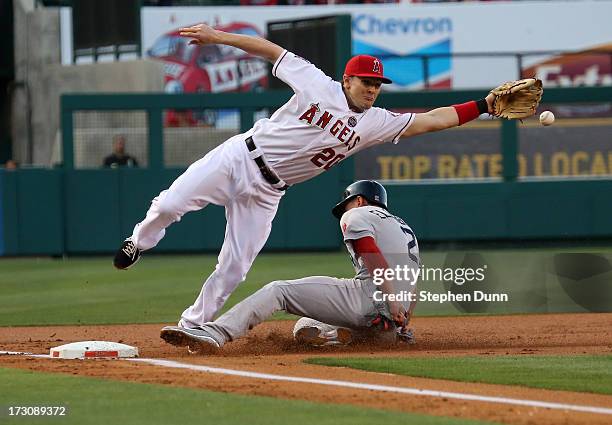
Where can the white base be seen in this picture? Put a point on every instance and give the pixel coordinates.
(93, 350)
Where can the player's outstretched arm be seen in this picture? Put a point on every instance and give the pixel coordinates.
(373, 259)
(204, 34)
(446, 117)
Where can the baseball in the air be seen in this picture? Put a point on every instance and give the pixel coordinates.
(547, 118)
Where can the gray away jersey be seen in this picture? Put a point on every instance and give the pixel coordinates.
(394, 238)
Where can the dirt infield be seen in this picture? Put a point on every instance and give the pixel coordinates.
(270, 349)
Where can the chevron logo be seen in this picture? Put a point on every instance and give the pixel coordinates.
(406, 70)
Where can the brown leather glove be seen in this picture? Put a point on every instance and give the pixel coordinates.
(517, 99)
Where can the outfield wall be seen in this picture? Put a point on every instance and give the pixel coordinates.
(72, 210)
(58, 212)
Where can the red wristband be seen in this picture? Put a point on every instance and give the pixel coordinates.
(467, 111)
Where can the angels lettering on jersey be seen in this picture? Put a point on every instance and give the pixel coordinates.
(338, 129)
(316, 129)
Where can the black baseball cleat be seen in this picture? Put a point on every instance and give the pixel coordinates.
(127, 255)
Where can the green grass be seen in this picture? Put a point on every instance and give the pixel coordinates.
(97, 401)
(158, 289)
(572, 373)
(46, 291)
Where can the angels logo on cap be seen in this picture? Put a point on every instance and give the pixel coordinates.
(376, 67)
(366, 66)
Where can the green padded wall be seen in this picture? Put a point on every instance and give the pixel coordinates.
(32, 212)
(92, 211)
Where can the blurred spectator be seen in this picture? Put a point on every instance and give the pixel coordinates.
(119, 158)
(11, 165)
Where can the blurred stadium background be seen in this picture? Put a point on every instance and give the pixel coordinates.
(76, 74)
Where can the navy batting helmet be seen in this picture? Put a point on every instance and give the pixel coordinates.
(371, 190)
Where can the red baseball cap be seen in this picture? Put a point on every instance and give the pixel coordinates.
(366, 66)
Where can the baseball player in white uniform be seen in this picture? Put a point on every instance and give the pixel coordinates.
(324, 122)
(336, 311)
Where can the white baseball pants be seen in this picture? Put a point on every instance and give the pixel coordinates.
(225, 176)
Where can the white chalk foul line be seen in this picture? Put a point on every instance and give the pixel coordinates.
(362, 386)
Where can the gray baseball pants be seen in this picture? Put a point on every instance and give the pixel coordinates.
(338, 302)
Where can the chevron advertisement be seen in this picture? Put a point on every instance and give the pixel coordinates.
(402, 33)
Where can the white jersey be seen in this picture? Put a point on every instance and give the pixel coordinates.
(394, 238)
(316, 129)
